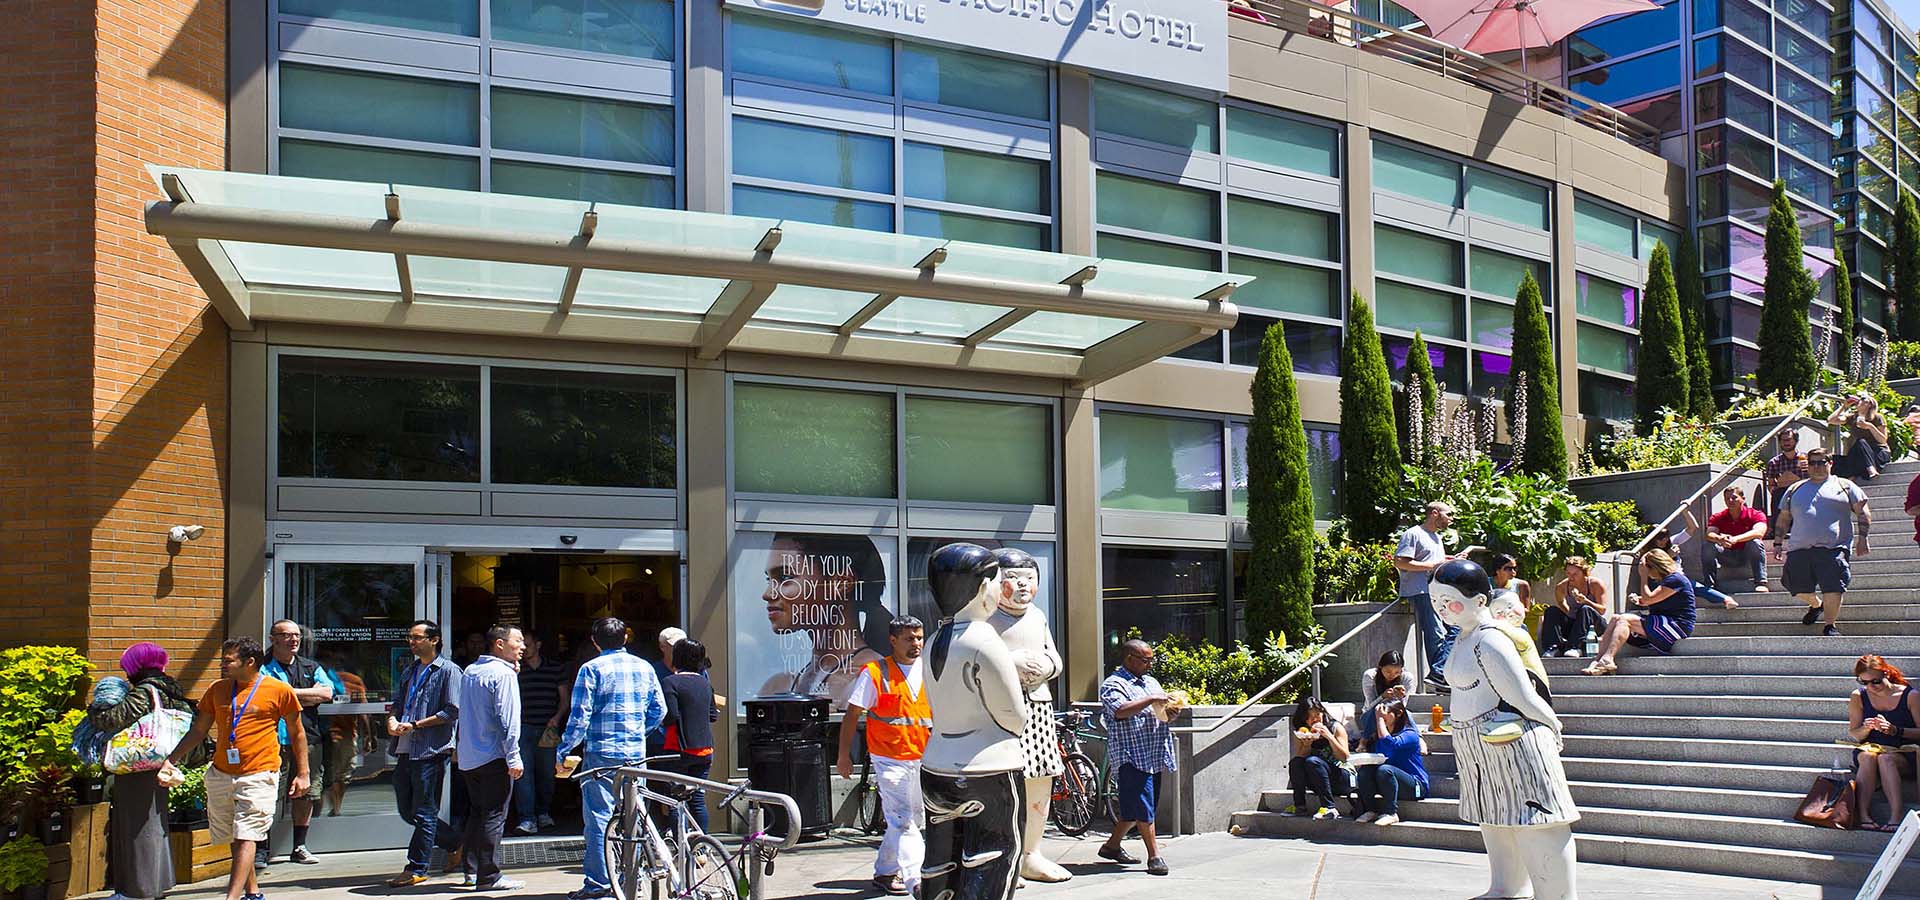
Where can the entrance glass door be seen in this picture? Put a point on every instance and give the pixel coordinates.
(355, 605)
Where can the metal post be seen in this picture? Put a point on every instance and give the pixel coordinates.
(1315, 675)
(756, 823)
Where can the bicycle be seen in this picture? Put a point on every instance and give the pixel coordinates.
(1081, 787)
(867, 815)
(693, 866)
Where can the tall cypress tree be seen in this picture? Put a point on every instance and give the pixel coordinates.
(1906, 268)
(1843, 300)
(1279, 500)
(1546, 448)
(1786, 348)
(1369, 449)
(1420, 378)
(1693, 314)
(1661, 380)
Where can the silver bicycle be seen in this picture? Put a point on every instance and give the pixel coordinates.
(687, 862)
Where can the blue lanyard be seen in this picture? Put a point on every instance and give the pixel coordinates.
(237, 709)
(419, 675)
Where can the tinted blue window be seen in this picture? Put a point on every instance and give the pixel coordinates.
(1624, 35)
(1643, 75)
(772, 204)
(1810, 55)
(841, 159)
(835, 58)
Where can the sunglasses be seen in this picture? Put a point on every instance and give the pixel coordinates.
(1875, 682)
(1509, 568)
(1819, 462)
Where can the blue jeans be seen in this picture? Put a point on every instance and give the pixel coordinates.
(416, 792)
(1748, 553)
(698, 767)
(1390, 783)
(597, 803)
(1436, 640)
(533, 792)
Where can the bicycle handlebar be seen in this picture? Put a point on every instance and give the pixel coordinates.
(735, 793)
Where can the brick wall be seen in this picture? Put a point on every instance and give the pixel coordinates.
(46, 89)
(158, 405)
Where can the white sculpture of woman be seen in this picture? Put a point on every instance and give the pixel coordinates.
(1506, 742)
(970, 772)
(1035, 658)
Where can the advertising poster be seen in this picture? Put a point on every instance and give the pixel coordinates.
(920, 599)
(810, 611)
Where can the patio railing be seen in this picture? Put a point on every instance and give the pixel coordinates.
(1339, 26)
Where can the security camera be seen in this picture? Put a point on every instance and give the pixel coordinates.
(180, 534)
(569, 539)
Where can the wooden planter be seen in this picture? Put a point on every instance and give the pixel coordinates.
(79, 866)
(195, 858)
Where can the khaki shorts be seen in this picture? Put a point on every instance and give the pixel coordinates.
(316, 760)
(240, 807)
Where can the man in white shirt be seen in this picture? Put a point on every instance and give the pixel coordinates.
(889, 694)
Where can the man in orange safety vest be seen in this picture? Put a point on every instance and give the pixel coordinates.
(889, 694)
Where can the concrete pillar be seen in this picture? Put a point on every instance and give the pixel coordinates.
(1074, 155)
(1358, 169)
(705, 91)
(1080, 569)
(248, 430)
(1565, 327)
(709, 525)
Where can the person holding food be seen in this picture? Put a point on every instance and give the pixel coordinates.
(1882, 716)
(1400, 773)
(1319, 748)
(1388, 682)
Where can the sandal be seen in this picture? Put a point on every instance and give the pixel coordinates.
(1600, 668)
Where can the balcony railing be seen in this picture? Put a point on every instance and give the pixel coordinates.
(1339, 26)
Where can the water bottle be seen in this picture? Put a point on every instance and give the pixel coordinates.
(1593, 642)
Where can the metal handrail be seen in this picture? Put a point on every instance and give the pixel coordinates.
(1308, 665)
(756, 822)
(1342, 27)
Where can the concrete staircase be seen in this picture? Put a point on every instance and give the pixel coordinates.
(1696, 761)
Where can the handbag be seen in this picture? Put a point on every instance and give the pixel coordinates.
(145, 745)
(1829, 803)
(1502, 727)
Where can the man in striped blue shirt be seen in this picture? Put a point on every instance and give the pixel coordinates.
(616, 701)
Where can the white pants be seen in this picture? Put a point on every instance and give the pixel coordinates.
(904, 847)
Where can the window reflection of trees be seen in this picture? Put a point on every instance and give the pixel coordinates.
(376, 419)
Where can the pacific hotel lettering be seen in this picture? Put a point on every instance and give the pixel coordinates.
(1131, 24)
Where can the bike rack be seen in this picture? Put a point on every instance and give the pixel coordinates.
(756, 816)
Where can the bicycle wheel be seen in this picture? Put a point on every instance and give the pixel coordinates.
(1110, 792)
(709, 873)
(870, 810)
(623, 856)
(1073, 796)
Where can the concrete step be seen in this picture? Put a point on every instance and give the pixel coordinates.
(1791, 613)
(1827, 709)
(1755, 666)
(1774, 831)
(1688, 855)
(1857, 626)
(1663, 798)
(1716, 728)
(1630, 681)
(1799, 645)
(1665, 750)
(1886, 596)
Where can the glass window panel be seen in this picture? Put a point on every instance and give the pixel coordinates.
(565, 183)
(1409, 308)
(1491, 372)
(975, 179)
(1661, 112)
(771, 204)
(1734, 315)
(1714, 55)
(1606, 300)
(972, 81)
(1738, 15)
(1282, 142)
(810, 611)
(1117, 246)
(1626, 34)
(1597, 226)
(1499, 274)
(1282, 229)
(977, 229)
(1869, 23)
(920, 602)
(1725, 99)
(1421, 256)
(582, 126)
(1493, 324)
(1870, 260)
(388, 106)
(1449, 362)
(1149, 115)
(975, 451)
(1711, 195)
(1203, 350)
(1606, 348)
(1315, 348)
(1606, 398)
(378, 419)
(1160, 463)
(1869, 65)
(1809, 98)
(794, 440)
(1651, 234)
(862, 162)
(1161, 593)
(1803, 179)
(642, 28)
(446, 16)
(601, 429)
(1648, 74)
(1750, 202)
(1415, 174)
(1323, 473)
(1806, 138)
(1154, 206)
(1811, 56)
(315, 159)
(778, 47)
(1283, 287)
(1516, 201)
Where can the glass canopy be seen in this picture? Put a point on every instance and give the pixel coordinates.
(270, 247)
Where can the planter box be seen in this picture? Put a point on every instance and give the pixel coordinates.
(195, 858)
(1223, 772)
(1813, 432)
(1340, 679)
(1659, 491)
(1905, 387)
(84, 854)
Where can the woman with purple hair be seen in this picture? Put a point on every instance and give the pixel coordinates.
(142, 864)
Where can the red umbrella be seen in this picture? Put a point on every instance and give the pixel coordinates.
(1493, 26)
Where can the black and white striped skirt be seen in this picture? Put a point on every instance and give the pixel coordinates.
(1517, 783)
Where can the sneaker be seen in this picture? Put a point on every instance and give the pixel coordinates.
(1438, 683)
(1292, 812)
(527, 827)
(303, 856)
(259, 862)
(546, 821)
(890, 884)
(1327, 812)
(1829, 631)
(406, 879)
(1812, 616)
(253, 896)
(501, 884)
(1388, 819)
(466, 881)
(590, 894)
(1117, 854)
(454, 857)
(1156, 866)
(1760, 588)
(1367, 817)
(1570, 653)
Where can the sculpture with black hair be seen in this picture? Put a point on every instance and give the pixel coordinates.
(1024, 627)
(970, 772)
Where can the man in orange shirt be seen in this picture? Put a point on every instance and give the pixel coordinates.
(243, 784)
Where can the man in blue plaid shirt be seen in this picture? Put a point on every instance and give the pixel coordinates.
(616, 701)
(1140, 745)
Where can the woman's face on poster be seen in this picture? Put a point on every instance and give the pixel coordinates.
(807, 591)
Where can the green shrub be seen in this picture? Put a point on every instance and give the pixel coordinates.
(1545, 449)
(23, 863)
(1615, 525)
(1906, 268)
(1370, 451)
(1762, 406)
(1349, 573)
(1279, 498)
(1212, 675)
(38, 686)
(188, 799)
(1693, 312)
(1843, 301)
(1674, 442)
(1536, 520)
(1786, 348)
(1903, 359)
(1661, 380)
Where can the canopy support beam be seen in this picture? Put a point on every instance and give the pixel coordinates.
(737, 303)
(880, 302)
(1133, 348)
(589, 221)
(207, 262)
(1007, 320)
(400, 265)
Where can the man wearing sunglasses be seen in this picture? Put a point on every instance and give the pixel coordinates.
(1821, 518)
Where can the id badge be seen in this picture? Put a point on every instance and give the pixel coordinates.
(233, 756)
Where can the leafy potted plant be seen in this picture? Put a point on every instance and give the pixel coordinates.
(187, 803)
(48, 793)
(89, 784)
(23, 869)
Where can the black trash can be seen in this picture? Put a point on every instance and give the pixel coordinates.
(787, 754)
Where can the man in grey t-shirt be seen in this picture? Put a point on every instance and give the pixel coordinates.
(1820, 517)
(1419, 552)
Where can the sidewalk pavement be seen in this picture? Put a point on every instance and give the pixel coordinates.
(1214, 866)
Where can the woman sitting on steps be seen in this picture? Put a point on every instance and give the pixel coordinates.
(1881, 716)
